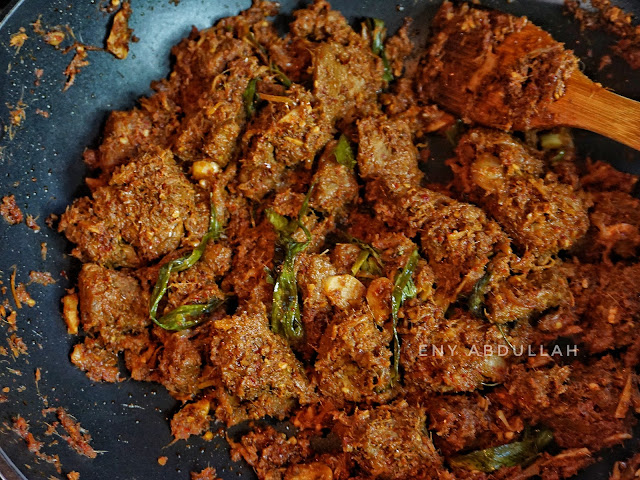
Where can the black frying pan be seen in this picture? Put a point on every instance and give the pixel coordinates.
(42, 167)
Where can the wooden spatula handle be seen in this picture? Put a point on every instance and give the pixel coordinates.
(589, 106)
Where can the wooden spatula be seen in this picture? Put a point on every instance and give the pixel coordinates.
(589, 106)
(502, 71)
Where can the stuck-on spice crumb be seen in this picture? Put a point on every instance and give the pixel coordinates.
(17, 39)
(43, 278)
(70, 312)
(31, 223)
(10, 211)
(120, 34)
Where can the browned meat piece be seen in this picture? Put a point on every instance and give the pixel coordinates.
(198, 283)
(99, 363)
(519, 296)
(257, 365)
(603, 177)
(285, 133)
(615, 227)
(586, 405)
(269, 452)
(198, 60)
(319, 23)
(455, 354)
(112, 304)
(312, 271)
(493, 68)
(354, 360)
(347, 80)
(457, 238)
(335, 184)
(192, 419)
(253, 250)
(470, 422)
(139, 216)
(390, 441)
(386, 152)
(541, 215)
(179, 364)
(607, 299)
(128, 133)
(211, 132)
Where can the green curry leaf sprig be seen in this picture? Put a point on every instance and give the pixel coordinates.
(508, 455)
(185, 316)
(377, 31)
(285, 312)
(403, 289)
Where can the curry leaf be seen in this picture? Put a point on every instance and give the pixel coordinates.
(179, 265)
(377, 32)
(476, 299)
(403, 289)
(508, 455)
(285, 312)
(249, 97)
(344, 153)
(188, 316)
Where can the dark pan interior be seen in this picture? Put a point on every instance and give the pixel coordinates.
(42, 167)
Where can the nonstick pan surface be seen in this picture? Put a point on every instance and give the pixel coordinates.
(42, 166)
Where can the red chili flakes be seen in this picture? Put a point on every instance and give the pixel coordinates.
(42, 113)
(10, 211)
(162, 461)
(43, 251)
(73, 476)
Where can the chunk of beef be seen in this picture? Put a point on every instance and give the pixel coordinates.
(493, 68)
(390, 441)
(386, 152)
(98, 362)
(335, 184)
(586, 405)
(284, 134)
(113, 305)
(179, 364)
(455, 354)
(519, 296)
(139, 216)
(257, 366)
(608, 302)
(471, 422)
(354, 360)
(540, 214)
